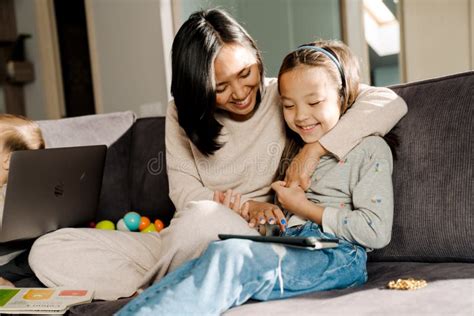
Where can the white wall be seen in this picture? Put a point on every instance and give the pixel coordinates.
(438, 37)
(127, 55)
(130, 44)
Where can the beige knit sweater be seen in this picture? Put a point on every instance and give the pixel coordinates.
(249, 159)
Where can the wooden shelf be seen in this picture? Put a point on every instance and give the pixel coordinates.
(20, 72)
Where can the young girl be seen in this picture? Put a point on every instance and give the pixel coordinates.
(16, 133)
(351, 200)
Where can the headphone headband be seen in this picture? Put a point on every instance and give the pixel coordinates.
(330, 54)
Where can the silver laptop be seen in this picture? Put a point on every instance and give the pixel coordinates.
(50, 189)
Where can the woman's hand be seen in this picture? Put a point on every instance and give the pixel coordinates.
(261, 213)
(229, 198)
(291, 198)
(303, 165)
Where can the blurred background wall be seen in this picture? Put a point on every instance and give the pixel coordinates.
(100, 56)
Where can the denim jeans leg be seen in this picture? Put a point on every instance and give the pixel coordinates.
(231, 272)
(227, 274)
(306, 271)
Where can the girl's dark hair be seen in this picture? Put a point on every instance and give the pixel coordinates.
(194, 50)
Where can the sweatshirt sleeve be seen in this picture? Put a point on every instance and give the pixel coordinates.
(370, 222)
(184, 181)
(375, 112)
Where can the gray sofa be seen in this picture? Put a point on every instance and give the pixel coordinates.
(432, 235)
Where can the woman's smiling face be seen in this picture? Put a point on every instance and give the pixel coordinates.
(310, 102)
(237, 77)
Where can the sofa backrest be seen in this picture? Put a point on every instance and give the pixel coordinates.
(135, 174)
(433, 176)
(114, 199)
(147, 172)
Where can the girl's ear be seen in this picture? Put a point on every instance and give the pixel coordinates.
(6, 161)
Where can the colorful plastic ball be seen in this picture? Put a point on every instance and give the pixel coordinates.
(121, 226)
(132, 220)
(144, 223)
(150, 228)
(106, 224)
(159, 225)
(92, 224)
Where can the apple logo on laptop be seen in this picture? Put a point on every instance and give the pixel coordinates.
(59, 189)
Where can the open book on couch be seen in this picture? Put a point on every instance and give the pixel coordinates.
(41, 300)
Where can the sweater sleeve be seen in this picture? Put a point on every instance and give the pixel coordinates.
(184, 181)
(375, 112)
(370, 222)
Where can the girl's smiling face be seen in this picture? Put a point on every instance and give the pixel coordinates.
(310, 101)
(237, 77)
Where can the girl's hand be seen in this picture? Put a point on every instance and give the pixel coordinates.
(261, 213)
(303, 165)
(292, 198)
(230, 199)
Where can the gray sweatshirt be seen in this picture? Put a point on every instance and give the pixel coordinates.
(357, 193)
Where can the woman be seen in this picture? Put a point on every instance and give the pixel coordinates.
(224, 132)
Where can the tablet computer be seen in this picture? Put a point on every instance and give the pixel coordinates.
(302, 242)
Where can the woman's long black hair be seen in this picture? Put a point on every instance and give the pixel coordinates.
(194, 50)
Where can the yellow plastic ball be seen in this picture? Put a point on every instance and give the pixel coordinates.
(149, 228)
(106, 224)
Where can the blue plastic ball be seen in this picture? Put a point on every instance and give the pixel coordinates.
(132, 220)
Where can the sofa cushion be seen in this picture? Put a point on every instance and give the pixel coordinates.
(449, 292)
(433, 176)
(149, 181)
(113, 130)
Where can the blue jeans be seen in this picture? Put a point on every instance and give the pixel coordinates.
(233, 271)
